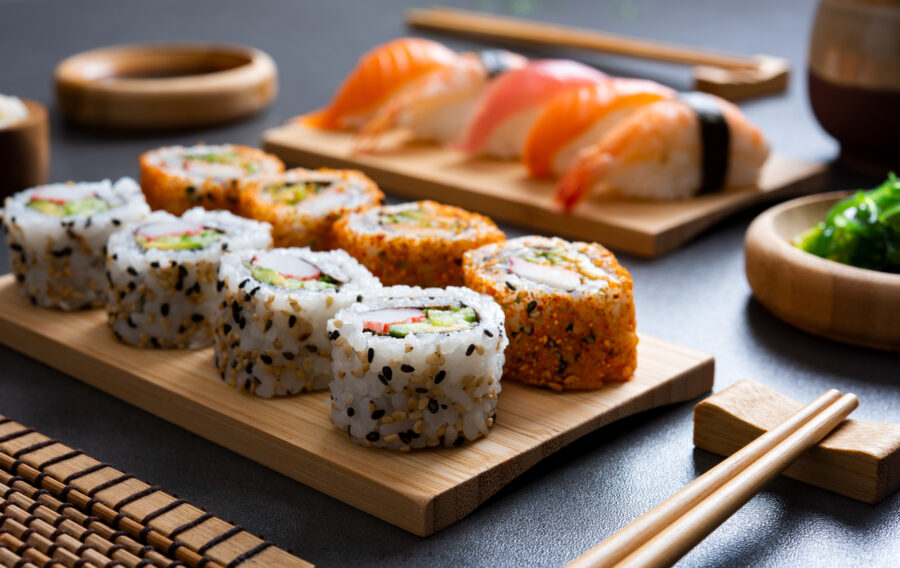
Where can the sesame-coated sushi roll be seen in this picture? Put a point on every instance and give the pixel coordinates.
(416, 244)
(302, 205)
(57, 238)
(270, 333)
(569, 310)
(178, 178)
(163, 272)
(417, 367)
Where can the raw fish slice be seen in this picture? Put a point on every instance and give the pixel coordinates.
(380, 74)
(578, 118)
(438, 105)
(510, 105)
(657, 153)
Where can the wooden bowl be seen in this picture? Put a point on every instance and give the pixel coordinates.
(827, 298)
(25, 151)
(165, 86)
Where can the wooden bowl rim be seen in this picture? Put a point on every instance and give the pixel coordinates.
(37, 114)
(71, 71)
(764, 227)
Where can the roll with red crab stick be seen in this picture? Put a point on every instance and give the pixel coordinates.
(270, 333)
(302, 205)
(416, 244)
(416, 368)
(163, 274)
(569, 310)
(177, 178)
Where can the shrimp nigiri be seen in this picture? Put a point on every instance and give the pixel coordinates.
(670, 150)
(380, 74)
(510, 105)
(437, 106)
(578, 118)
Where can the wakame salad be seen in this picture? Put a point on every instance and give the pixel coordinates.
(862, 230)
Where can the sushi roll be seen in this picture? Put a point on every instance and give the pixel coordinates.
(163, 272)
(569, 310)
(302, 205)
(57, 238)
(511, 105)
(270, 334)
(417, 367)
(177, 178)
(417, 244)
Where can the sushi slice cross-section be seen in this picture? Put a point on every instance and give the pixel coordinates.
(177, 178)
(569, 310)
(57, 238)
(163, 274)
(415, 368)
(270, 333)
(302, 205)
(418, 243)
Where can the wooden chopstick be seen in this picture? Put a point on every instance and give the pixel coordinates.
(515, 29)
(665, 533)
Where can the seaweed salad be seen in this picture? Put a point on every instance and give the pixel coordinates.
(862, 230)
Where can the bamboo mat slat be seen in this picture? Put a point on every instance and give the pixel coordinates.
(61, 507)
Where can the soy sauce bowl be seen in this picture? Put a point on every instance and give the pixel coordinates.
(820, 296)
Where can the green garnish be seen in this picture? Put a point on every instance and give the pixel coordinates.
(229, 158)
(862, 230)
(272, 277)
(437, 321)
(294, 193)
(180, 242)
(87, 207)
(418, 217)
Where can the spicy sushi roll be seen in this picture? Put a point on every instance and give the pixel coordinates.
(569, 310)
(270, 334)
(57, 238)
(417, 367)
(177, 178)
(402, 244)
(162, 275)
(302, 205)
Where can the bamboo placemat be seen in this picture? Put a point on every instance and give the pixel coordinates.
(61, 507)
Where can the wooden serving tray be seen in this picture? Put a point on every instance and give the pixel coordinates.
(503, 190)
(421, 491)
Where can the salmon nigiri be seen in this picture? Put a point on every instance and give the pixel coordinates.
(438, 105)
(380, 74)
(670, 150)
(580, 117)
(510, 105)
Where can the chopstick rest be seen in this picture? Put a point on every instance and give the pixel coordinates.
(665, 533)
(859, 459)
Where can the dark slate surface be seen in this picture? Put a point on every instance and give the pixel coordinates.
(697, 296)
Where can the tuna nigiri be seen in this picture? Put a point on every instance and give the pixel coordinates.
(438, 105)
(380, 74)
(580, 117)
(510, 105)
(670, 150)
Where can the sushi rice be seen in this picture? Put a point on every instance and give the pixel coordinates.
(404, 387)
(270, 334)
(57, 238)
(161, 296)
(569, 310)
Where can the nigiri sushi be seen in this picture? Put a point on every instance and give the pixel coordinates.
(438, 105)
(670, 150)
(509, 106)
(381, 73)
(581, 117)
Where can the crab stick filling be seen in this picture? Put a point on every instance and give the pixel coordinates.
(289, 271)
(176, 235)
(61, 201)
(400, 322)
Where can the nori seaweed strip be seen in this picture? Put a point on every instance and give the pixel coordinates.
(715, 140)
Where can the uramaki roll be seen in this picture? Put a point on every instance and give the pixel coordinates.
(569, 310)
(416, 244)
(177, 178)
(302, 205)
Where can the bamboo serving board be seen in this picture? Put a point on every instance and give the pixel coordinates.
(503, 190)
(421, 491)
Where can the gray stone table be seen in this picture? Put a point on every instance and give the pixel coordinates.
(697, 296)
